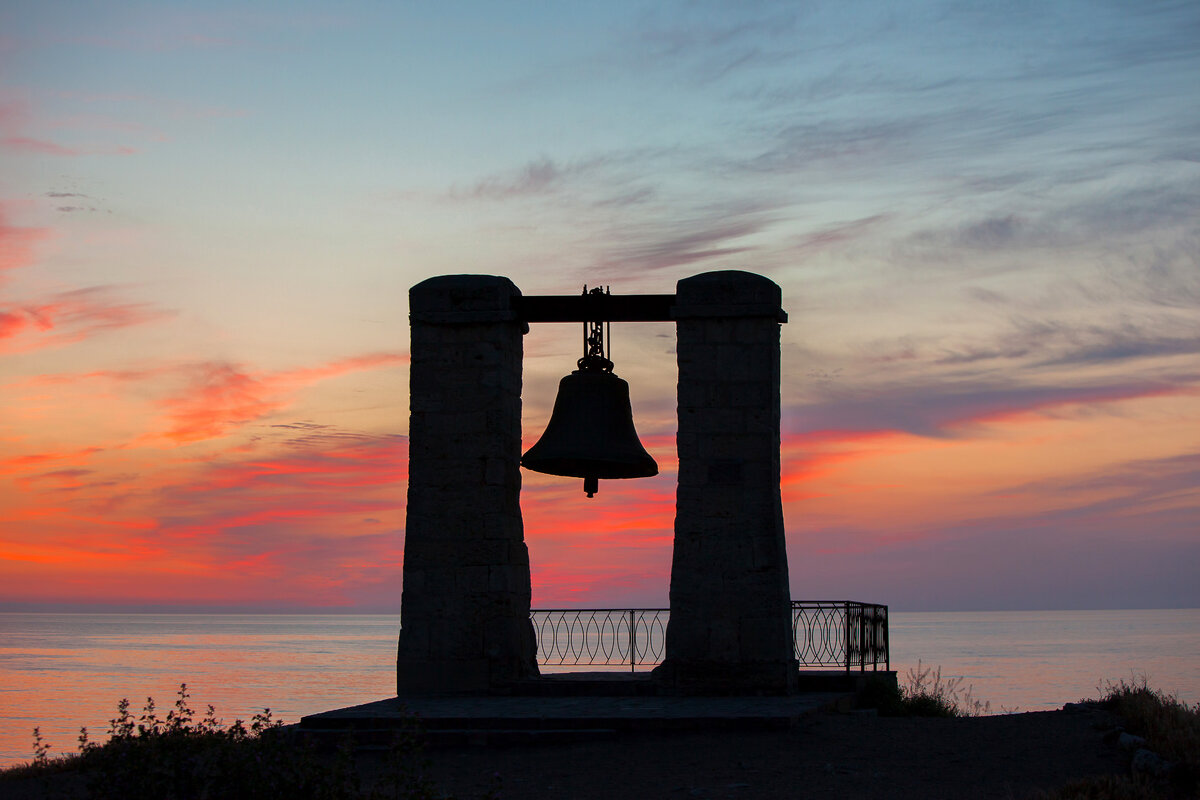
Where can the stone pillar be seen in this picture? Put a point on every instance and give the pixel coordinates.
(730, 626)
(465, 609)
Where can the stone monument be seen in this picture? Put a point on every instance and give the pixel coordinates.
(465, 605)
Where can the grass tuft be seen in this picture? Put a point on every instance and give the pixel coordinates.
(924, 693)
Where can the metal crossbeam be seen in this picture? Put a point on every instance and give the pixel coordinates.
(595, 307)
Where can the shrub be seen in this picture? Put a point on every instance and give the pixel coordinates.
(927, 694)
(1170, 726)
(178, 757)
(924, 693)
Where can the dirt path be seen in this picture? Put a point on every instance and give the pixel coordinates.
(827, 755)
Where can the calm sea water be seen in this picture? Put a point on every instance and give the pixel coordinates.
(61, 671)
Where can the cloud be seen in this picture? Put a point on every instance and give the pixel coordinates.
(35, 461)
(659, 245)
(42, 146)
(16, 243)
(945, 409)
(536, 177)
(69, 317)
(853, 144)
(1074, 220)
(600, 177)
(298, 523)
(1056, 343)
(832, 235)
(219, 397)
(15, 118)
(705, 44)
(1130, 487)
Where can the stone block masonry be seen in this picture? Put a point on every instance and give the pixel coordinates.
(730, 626)
(465, 607)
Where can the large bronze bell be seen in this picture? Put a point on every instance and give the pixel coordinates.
(590, 434)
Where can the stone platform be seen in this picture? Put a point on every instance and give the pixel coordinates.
(565, 707)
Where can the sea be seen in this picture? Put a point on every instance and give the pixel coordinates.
(60, 672)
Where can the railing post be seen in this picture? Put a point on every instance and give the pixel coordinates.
(862, 639)
(847, 640)
(632, 640)
(887, 639)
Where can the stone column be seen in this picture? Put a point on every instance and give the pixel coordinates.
(730, 626)
(465, 609)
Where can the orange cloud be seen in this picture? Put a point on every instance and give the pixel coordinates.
(24, 462)
(221, 396)
(69, 317)
(314, 522)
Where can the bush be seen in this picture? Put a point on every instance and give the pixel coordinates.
(179, 757)
(924, 693)
(1171, 729)
(1170, 726)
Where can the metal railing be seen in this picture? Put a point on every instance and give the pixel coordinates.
(825, 633)
(828, 633)
(600, 636)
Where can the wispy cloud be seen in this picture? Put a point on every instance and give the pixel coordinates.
(947, 409)
(1059, 343)
(534, 178)
(219, 397)
(70, 317)
(838, 234)
(717, 232)
(16, 118)
(701, 45)
(16, 243)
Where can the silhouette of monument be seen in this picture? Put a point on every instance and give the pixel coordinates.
(465, 605)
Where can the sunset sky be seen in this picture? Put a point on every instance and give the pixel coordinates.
(985, 219)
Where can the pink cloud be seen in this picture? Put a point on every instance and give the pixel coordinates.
(218, 397)
(15, 119)
(30, 145)
(16, 243)
(70, 317)
(221, 396)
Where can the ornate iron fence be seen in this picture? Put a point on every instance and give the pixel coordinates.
(600, 636)
(827, 633)
(824, 634)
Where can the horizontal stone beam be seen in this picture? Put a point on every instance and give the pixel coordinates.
(595, 307)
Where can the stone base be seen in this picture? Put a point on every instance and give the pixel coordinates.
(724, 678)
(443, 676)
(463, 675)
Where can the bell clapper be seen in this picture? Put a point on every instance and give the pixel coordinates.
(591, 485)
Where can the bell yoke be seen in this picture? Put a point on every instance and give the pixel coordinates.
(590, 434)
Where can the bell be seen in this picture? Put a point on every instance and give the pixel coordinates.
(590, 434)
